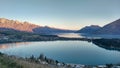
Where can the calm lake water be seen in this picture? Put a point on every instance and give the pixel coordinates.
(82, 35)
(78, 52)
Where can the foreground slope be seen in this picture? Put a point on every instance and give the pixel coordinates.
(15, 62)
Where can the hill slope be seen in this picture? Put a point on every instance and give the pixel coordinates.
(21, 26)
(111, 28)
(49, 30)
(89, 29)
(28, 27)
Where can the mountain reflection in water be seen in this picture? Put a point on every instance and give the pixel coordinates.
(109, 44)
(10, 45)
(67, 51)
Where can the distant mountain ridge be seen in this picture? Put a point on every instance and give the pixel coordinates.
(21, 26)
(89, 29)
(28, 27)
(111, 28)
(49, 30)
(6, 24)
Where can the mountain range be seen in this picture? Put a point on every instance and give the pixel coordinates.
(112, 28)
(6, 24)
(89, 29)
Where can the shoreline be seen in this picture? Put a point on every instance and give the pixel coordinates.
(58, 39)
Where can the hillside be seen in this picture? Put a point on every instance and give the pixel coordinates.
(19, 62)
(89, 29)
(28, 27)
(111, 28)
(21, 26)
(49, 30)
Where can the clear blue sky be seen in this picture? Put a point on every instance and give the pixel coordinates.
(68, 14)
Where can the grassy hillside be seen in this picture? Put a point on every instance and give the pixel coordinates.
(13, 62)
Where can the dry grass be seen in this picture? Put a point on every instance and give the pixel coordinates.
(13, 62)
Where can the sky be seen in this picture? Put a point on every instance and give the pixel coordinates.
(67, 14)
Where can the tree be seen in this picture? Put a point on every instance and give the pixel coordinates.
(32, 57)
(41, 57)
(109, 65)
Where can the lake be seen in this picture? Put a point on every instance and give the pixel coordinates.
(83, 35)
(77, 52)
